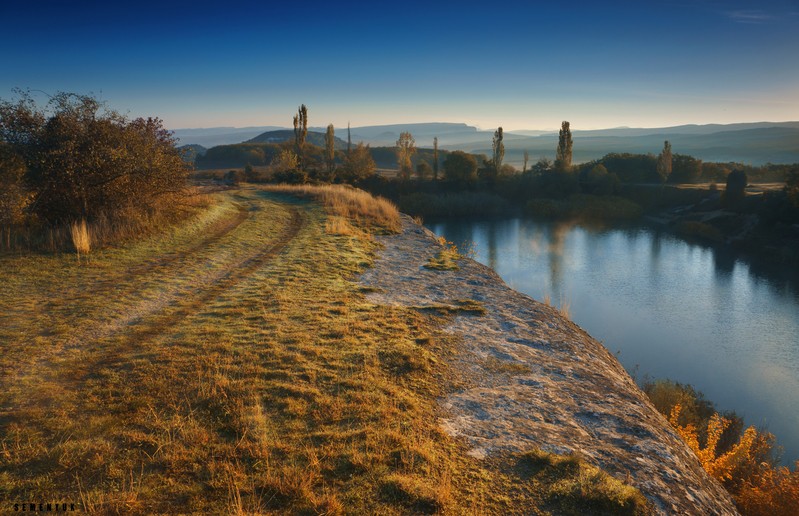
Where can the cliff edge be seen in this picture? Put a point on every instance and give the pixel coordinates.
(532, 378)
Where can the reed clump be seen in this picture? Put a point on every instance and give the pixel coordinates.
(81, 238)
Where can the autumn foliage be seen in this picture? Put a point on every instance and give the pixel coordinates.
(746, 468)
(76, 160)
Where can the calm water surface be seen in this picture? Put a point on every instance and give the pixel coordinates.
(669, 309)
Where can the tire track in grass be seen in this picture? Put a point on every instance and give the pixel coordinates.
(147, 329)
(146, 319)
(45, 314)
(150, 317)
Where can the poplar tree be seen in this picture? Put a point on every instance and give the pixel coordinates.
(435, 158)
(526, 160)
(563, 157)
(499, 151)
(349, 139)
(664, 162)
(330, 149)
(406, 148)
(300, 132)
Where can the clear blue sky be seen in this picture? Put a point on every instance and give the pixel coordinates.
(516, 64)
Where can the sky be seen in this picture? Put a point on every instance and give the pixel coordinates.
(520, 65)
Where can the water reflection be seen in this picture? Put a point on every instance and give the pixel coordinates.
(674, 309)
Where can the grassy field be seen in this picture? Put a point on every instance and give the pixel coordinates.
(232, 364)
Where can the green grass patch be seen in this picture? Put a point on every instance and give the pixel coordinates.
(446, 259)
(573, 486)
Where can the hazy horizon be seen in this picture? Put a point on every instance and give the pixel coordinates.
(515, 65)
(479, 128)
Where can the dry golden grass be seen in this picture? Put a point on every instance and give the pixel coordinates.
(564, 309)
(81, 239)
(282, 390)
(105, 230)
(349, 203)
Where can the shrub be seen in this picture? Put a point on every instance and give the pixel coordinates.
(83, 160)
(460, 167)
(735, 190)
(742, 460)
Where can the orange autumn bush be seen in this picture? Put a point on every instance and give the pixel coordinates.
(746, 469)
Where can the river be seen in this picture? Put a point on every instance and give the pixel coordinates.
(666, 308)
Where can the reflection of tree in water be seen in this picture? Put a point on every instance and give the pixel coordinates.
(723, 262)
(492, 245)
(656, 248)
(555, 251)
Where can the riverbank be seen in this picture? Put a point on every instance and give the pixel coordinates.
(528, 377)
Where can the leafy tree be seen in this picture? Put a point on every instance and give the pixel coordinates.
(330, 149)
(563, 157)
(460, 167)
(423, 170)
(349, 139)
(792, 186)
(685, 169)
(286, 160)
(406, 148)
(300, 132)
(599, 181)
(249, 173)
(435, 158)
(632, 168)
(234, 177)
(358, 164)
(541, 166)
(83, 160)
(664, 162)
(498, 151)
(526, 160)
(735, 191)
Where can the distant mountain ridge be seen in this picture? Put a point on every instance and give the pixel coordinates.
(213, 136)
(753, 143)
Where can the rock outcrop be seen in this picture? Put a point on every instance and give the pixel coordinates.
(535, 379)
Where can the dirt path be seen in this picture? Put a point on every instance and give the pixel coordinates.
(128, 305)
(148, 317)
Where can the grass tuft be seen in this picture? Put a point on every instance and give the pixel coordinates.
(81, 239)
(573, 486)
(446, 259)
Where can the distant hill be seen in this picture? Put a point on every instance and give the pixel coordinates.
(285, 135)
(754, 144)
(190, 152)
(212, 136)
(750, 143)
(692, 129)
(423, 133)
